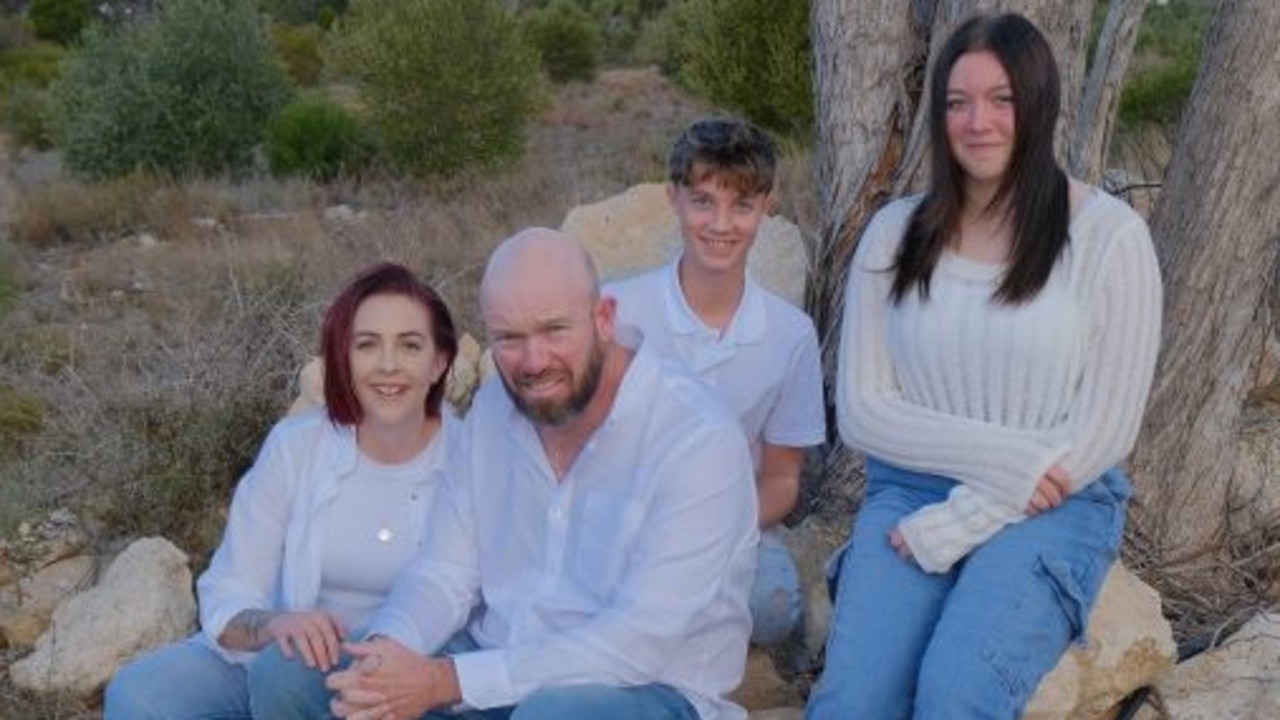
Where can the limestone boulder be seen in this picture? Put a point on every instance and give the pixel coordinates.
(782, 713)
(310, 387)
(812, 543)
(636, 230)
(26, 608)
(1129, 645)
(466, 373)
(42, 543)
(762, 687)
(144, 600)
(1239, 679)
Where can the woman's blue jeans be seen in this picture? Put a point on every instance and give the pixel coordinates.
(973, 642)
(188, 681)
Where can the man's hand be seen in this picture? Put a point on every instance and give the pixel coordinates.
(1051, 491)
(388, 680)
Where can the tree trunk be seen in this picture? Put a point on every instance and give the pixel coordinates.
(867, 60)
(1216, 225)
(1091, 133)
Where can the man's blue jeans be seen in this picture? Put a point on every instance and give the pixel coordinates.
(188, 681)
(973, 642)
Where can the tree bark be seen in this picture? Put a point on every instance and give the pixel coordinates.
(1217, 227)
(1091, 132)
(868, 56)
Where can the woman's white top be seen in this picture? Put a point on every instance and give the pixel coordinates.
(281, 519)
(993, 395)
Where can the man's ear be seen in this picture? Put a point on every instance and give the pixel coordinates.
(605, 315)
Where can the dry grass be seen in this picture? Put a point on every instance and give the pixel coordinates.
(160, 325)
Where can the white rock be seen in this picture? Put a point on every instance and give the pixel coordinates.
(636, 230)
(144, 600)
(1239, 680)
(25, 613)
(1129, 644)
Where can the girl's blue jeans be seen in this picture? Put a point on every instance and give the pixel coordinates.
(973, 642)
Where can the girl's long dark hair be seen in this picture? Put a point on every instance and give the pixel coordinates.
(1034, 184)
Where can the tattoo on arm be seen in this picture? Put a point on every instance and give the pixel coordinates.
(247, 631)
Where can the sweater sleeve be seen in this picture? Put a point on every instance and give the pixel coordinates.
(1001, 463)
(1106, 412)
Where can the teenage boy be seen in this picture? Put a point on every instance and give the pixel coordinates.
(758, 352)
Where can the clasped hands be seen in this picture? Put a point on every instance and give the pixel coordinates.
(387, 681)
(1051, 491)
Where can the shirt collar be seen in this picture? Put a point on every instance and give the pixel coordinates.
(746, 327)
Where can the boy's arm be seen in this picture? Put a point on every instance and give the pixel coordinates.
(778, 484)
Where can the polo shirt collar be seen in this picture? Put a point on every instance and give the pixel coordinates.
(746, 327)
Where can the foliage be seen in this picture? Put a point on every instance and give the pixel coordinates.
(9, 283)
(753, 57)
(24, 113)
(619, 22)
(189, 91)
(298, 47)
(26, 71)
(317, 138)
(662, 40)
(567, 38)
(21, 416)
(301, 12)
(448, 83)
(1166, 58)
(60, 20)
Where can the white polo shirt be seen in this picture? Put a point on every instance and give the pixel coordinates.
(632, 569)
(765, 365)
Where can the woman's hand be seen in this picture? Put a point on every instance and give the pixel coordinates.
(314, 635)
(1051, 490)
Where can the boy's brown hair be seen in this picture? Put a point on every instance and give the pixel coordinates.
(739, 154)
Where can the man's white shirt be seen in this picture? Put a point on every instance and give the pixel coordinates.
(632, 569)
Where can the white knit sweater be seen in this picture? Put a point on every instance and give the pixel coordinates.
(992, 395)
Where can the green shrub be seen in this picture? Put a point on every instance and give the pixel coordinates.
(24, 113)
(300, 12)
(317, 138)
(9, 284)
(21, 416)
(567, 39)
(298, 47)
(662, 40)
(754, 57)
(189, 91)
(36, 63)
(1166, 59)
(60, 20)
(447, 83)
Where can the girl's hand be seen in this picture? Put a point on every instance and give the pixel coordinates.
(1051, 490)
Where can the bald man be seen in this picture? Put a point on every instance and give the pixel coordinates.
(598, 536)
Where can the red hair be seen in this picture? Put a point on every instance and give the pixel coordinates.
(335, 336)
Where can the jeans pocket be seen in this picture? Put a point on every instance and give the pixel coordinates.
(1050, 612)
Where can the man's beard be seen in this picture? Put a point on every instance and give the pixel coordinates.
(553, 413)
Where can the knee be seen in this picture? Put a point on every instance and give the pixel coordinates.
(129, 696)
(775, 600)
(281, 687)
